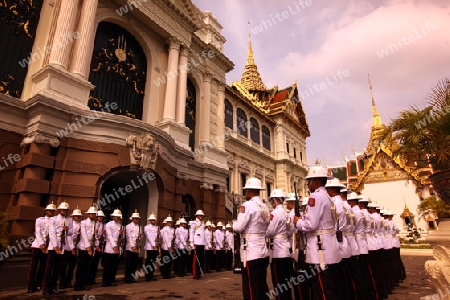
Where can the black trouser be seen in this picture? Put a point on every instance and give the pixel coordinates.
(220, 260)
(69, 263)
(65, 260)
(151, 258)
(346, 280)
(182, 261)
(399, 262)
(280, 269)
(52, 271)
(198, 262)
(366, 285)
(131, 262)
(375, 266)
(324, 283)
(94, 267)
(208, 258)
(166, 261)
(83, 269)
(302, 290)
(229, 259)
(36, 272)
(254, 283)
(111, 262)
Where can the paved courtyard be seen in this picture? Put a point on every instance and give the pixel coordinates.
(224, 285)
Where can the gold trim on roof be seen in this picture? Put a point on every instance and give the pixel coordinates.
(251, 79)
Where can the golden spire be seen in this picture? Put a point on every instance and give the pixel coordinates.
(251, 79)
(376, 117)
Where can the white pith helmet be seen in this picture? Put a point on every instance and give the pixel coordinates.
(208, 223)
(219, 224)
(372, 204)
(100, 213)
(177, 223)
(363, 198)
(135, 215)
(212, 225)
(253, 184)
(117, 213)
(305, 200)
(318, 171)
(343, 190)
(183, 221)
(199, 213)
(164, 221)
(353, 196)
(76, 212)
(291, 197)
(277, 193)
(92, 210)
(228, 226)
(63, 205)
(169, 219)
(151, 217)
(50, 206)
(333, 183)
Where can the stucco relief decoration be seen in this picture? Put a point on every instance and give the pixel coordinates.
(269, 175)
(144, 150)
(439, 269)
(257, 172)
(243, 166)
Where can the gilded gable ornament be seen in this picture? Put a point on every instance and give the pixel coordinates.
(144, 150)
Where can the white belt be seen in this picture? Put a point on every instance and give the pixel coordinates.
(346, 233)
(250, 235)
(320, 232)
(280, 236)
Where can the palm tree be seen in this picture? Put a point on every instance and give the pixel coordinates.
(423, 135)
(433, 206)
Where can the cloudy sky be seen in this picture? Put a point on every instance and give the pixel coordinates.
(330, 47)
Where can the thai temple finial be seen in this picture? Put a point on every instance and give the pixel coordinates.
(251, 79)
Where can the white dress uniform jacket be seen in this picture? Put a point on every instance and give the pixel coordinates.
(112, 236)
(252, 222)
(181, 237)
(76, 228)
(167, 234)
(395, 241)
(278, 231)
(360, 230)
(99, 226)
(197, 233)
(219, 236)
(87, 230)
(349, 231)
(132, 233)
(41, 231)
(370, 230)
(208, 239)
(378, 223)
(319, 220)
(341, 224)
(151, 234)
(56, 224)
(230, 240)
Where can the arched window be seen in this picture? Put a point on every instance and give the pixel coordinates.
(228, 114)
(118, 71)
(254, 130)
(266, 137)
(189, 117)
(241, 122)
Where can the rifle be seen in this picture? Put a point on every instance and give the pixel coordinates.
(77, 239)
(297, 239)
(101, 239)
(121, 240)
(92, 240)
(237, 243)
(138, 240)
(63, 237)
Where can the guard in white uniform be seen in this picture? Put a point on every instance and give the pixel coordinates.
(168, 239)
(229, 246)
(39, 250)
(322, 249)
(60, 231)
(209, 246)
(182, 242)
(86, 250)
(100, 233)
(134, 235)
(252, 222)
(219, 237)
(279, 231)
(198, 242)
(111, 254)
(151, 246)
(333, 187)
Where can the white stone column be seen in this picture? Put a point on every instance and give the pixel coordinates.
(64, 33)
(82, 51)
(182, 85)
(172, 75)
(205, 105)
(221, 115)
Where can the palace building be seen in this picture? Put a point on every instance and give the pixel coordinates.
(125, 105)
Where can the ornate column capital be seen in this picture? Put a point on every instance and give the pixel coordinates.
(207, 76)
(184, 50)
(173, 43)
(221, 86)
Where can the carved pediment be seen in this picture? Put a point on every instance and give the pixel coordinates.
(144, 150)
(243, 167)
